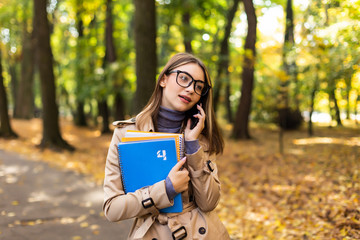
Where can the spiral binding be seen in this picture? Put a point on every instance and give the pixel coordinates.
(121, 170)
(182, 147)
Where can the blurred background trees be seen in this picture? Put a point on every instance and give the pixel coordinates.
(106, 55)
(5, 128)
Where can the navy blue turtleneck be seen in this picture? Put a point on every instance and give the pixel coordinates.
(171, 121)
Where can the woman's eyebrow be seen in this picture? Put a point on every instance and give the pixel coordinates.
(191, 75)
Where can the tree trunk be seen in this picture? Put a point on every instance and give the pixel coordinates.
(241, 126)
(288, 117)
(145, 44)
(289, 58)
(288, 44)
(289, 27)
(24, 104)
(14, 83)
(336, 107)
(51, 130)
(119, 107)
(119, 103)
(109, 40)
(292, 64)
(224, 57)
(104, 113)
(110, 57)
(93, 32)
(348, 89)
(310, 129)
(313, 94)
(187, 33)
(5, 126)
(80, 118)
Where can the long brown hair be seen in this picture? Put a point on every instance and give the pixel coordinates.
(211, 130)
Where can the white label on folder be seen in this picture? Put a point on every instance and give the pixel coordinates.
(161, 154)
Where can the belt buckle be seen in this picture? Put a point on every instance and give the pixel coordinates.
(210, 165)
(177, 235)
(147, 203)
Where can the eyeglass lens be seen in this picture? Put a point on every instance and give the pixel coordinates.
(184, 80)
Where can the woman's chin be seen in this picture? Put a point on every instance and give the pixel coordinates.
(185, 108)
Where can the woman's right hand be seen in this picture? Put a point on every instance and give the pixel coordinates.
(179, 176)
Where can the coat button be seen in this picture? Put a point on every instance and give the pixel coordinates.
(202, 230)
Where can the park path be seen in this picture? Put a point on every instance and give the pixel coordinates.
(41, 202)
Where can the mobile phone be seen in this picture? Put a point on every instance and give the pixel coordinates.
(190, 114)
(194, 120)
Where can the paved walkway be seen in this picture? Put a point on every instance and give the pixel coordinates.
(40, 202)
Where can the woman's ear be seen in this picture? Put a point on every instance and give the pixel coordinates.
(163, 81)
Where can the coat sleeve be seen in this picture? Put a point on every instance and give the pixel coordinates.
(120, 206)
(204, 179)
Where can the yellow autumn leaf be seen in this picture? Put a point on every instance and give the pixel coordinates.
(11, 214)
(30, 223)
(84, 224)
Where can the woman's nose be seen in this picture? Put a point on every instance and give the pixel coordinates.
(190, 88)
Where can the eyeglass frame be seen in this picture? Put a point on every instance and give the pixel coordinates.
(207, 87)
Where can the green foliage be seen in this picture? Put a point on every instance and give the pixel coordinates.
(326, 48)
(332, 45)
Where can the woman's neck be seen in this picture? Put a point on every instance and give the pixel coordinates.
(170, 120)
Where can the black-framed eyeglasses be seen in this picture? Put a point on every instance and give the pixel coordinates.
(184, 80)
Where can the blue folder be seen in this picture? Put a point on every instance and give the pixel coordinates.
(143, 163)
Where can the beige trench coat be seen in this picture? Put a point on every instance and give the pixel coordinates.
(197, 221)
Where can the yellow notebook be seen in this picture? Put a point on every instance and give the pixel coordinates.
(133, 135)
(177, 141)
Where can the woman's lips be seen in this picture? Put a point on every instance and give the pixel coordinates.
(185, 98)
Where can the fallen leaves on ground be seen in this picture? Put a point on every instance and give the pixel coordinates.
(311, 191)
(89, 157)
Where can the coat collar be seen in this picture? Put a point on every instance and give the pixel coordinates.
(148, 126)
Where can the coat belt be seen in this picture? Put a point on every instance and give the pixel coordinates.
(164, 219)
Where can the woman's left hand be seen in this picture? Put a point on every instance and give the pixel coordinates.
(193, 134)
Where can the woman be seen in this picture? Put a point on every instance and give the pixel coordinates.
(180, 103)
